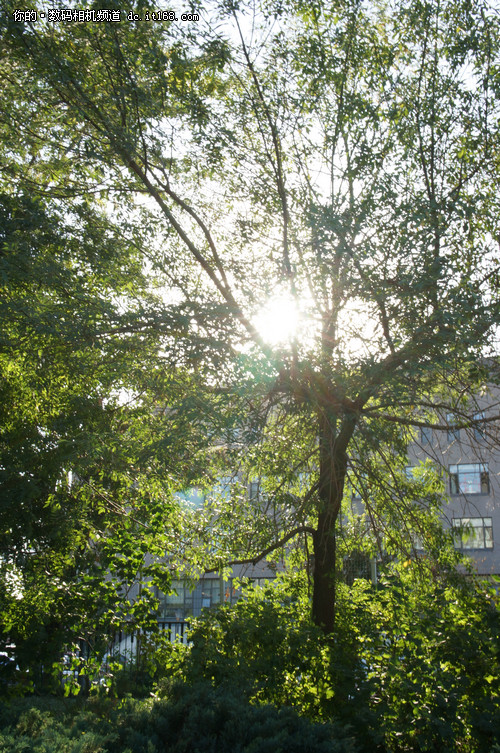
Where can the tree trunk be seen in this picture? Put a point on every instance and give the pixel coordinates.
(332, 473)
(324, 585)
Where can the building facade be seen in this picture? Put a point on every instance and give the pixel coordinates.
(469, 459)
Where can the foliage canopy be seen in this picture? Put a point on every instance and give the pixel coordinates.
(343, 156)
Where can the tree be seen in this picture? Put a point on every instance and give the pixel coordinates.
(344, 157)
(80, 478)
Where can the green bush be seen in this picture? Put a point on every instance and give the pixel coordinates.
(268, 648)
(202, 719)
(196, 719)
(414, 664)
(433, 653)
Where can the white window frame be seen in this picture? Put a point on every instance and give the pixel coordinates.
(473, 533)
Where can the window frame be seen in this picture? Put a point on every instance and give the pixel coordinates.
(452, 434)
(469, 540)
(462, 485)
(425, 435)
(479, 430)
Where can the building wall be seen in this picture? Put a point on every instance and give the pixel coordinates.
(470, 451)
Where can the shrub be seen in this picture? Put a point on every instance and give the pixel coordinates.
(196, 719)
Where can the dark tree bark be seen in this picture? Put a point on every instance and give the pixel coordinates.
(333, 440)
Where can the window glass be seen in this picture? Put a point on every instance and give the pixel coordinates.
(473, 533)
(479, 429)
(452, 433)
(253, 490)
(177, 605)
(469, 478)
(189, 601)
(425, 435)
(488, 534)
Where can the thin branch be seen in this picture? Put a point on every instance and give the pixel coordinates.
(201, 224)
(255, 560)
(439, 427)
(278, 166)
(112, 504)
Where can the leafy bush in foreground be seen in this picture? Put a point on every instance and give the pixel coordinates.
(414, 667)
(414, 664)
(195, 720)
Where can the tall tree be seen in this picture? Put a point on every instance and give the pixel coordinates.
(342, 158)
(87, 470)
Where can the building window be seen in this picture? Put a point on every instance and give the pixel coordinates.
(208, 593)
(254, 491)
(425, 435)
(473, 533)
(176, 606)
(469, 478)
(356, 565)
(479, 428)
(452, 433)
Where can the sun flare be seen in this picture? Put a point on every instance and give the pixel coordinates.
(278, 320)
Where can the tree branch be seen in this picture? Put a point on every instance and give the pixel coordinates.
(439, 427)
(268, 550)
